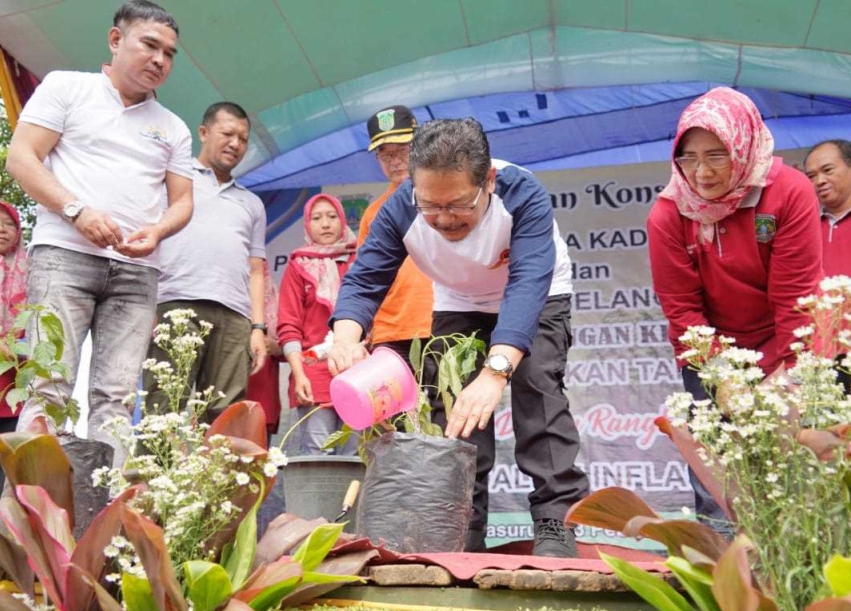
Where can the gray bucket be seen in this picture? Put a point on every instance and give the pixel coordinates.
(315, 486)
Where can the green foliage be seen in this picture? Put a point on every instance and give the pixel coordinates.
(36, 361)
(207, 583)
(238, 558)
(837, 572)
(10, 190)
(650, 587)
(137, 593)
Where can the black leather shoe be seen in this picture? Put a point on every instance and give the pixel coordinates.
(554, 540)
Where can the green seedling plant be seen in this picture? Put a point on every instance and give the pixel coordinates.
(37, 361)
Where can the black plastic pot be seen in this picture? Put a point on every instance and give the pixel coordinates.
(86, 455)
(418, 492)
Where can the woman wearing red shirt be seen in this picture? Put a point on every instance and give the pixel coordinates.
(734, 238)
(307, 298)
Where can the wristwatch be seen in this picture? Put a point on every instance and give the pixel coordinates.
(259, 325)
(71, 211)
(499, 364)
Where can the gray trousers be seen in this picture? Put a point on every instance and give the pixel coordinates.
(117, 302)
(547, 441)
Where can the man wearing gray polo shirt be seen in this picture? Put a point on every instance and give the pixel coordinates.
(215, 265)
(98, 153)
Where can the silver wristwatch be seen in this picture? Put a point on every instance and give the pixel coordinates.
(71, 211)
(499, 364)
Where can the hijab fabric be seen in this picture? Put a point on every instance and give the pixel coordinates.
(736, 122)
(318, 262)
(13, 274)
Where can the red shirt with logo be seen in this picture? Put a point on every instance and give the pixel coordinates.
(836, 245)
(746, 283)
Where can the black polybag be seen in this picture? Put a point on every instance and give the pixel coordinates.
(417, 494)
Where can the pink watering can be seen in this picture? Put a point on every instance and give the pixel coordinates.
(377, 388)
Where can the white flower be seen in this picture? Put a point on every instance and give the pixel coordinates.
(270, 470)
(242, 479)
(110, 551)
(278, 458)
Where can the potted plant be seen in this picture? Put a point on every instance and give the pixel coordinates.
(37, 362)
(418, 487)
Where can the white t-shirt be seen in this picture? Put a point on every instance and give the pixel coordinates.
(208, 259)
(112, 157)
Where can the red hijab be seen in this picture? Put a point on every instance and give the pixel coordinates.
(318, 262)
(736, 122)
(13, 274)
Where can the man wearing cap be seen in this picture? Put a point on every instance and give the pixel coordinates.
(406, 310)
(224, 285)
(99, 153)
(483, 231)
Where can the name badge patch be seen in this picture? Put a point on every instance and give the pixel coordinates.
(766, 227)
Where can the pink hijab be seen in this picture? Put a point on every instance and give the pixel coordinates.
(317, 262)
(13, 275)
(735, 120)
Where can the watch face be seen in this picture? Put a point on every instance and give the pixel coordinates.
(72, 210)
(498, 362)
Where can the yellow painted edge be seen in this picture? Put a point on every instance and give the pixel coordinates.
(365, 604)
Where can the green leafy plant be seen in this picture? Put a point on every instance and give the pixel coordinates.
(454, 357)
(37, 361)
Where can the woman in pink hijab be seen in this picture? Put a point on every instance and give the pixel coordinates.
(734, 237)
(307, 298)
(13, 294)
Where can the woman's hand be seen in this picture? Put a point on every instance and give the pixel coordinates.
(303, 390)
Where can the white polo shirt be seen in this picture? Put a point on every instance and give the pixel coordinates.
(208, 259)
(112, 157)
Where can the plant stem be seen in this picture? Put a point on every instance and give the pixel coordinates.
(293, 427)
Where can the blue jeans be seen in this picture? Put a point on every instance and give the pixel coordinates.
(114, 300)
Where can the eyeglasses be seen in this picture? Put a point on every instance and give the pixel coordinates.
(386, 156)
(455, 209)
(716, 161)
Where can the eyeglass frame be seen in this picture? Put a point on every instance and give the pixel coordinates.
(388, 157)
(452, 209)
(708, 161)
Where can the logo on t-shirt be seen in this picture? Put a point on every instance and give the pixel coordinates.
(503, 260)
(157, 134)
(766, 227)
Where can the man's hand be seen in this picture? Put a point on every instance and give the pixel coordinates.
(142, 242)
(475, 405)
(344, 354)
(258, 350)
(99, 228)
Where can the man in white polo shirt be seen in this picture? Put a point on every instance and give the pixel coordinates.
(96, 151)
(215, 265)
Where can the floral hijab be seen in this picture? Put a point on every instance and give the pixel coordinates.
(736, 122)
(13, 274)
(318, 262)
